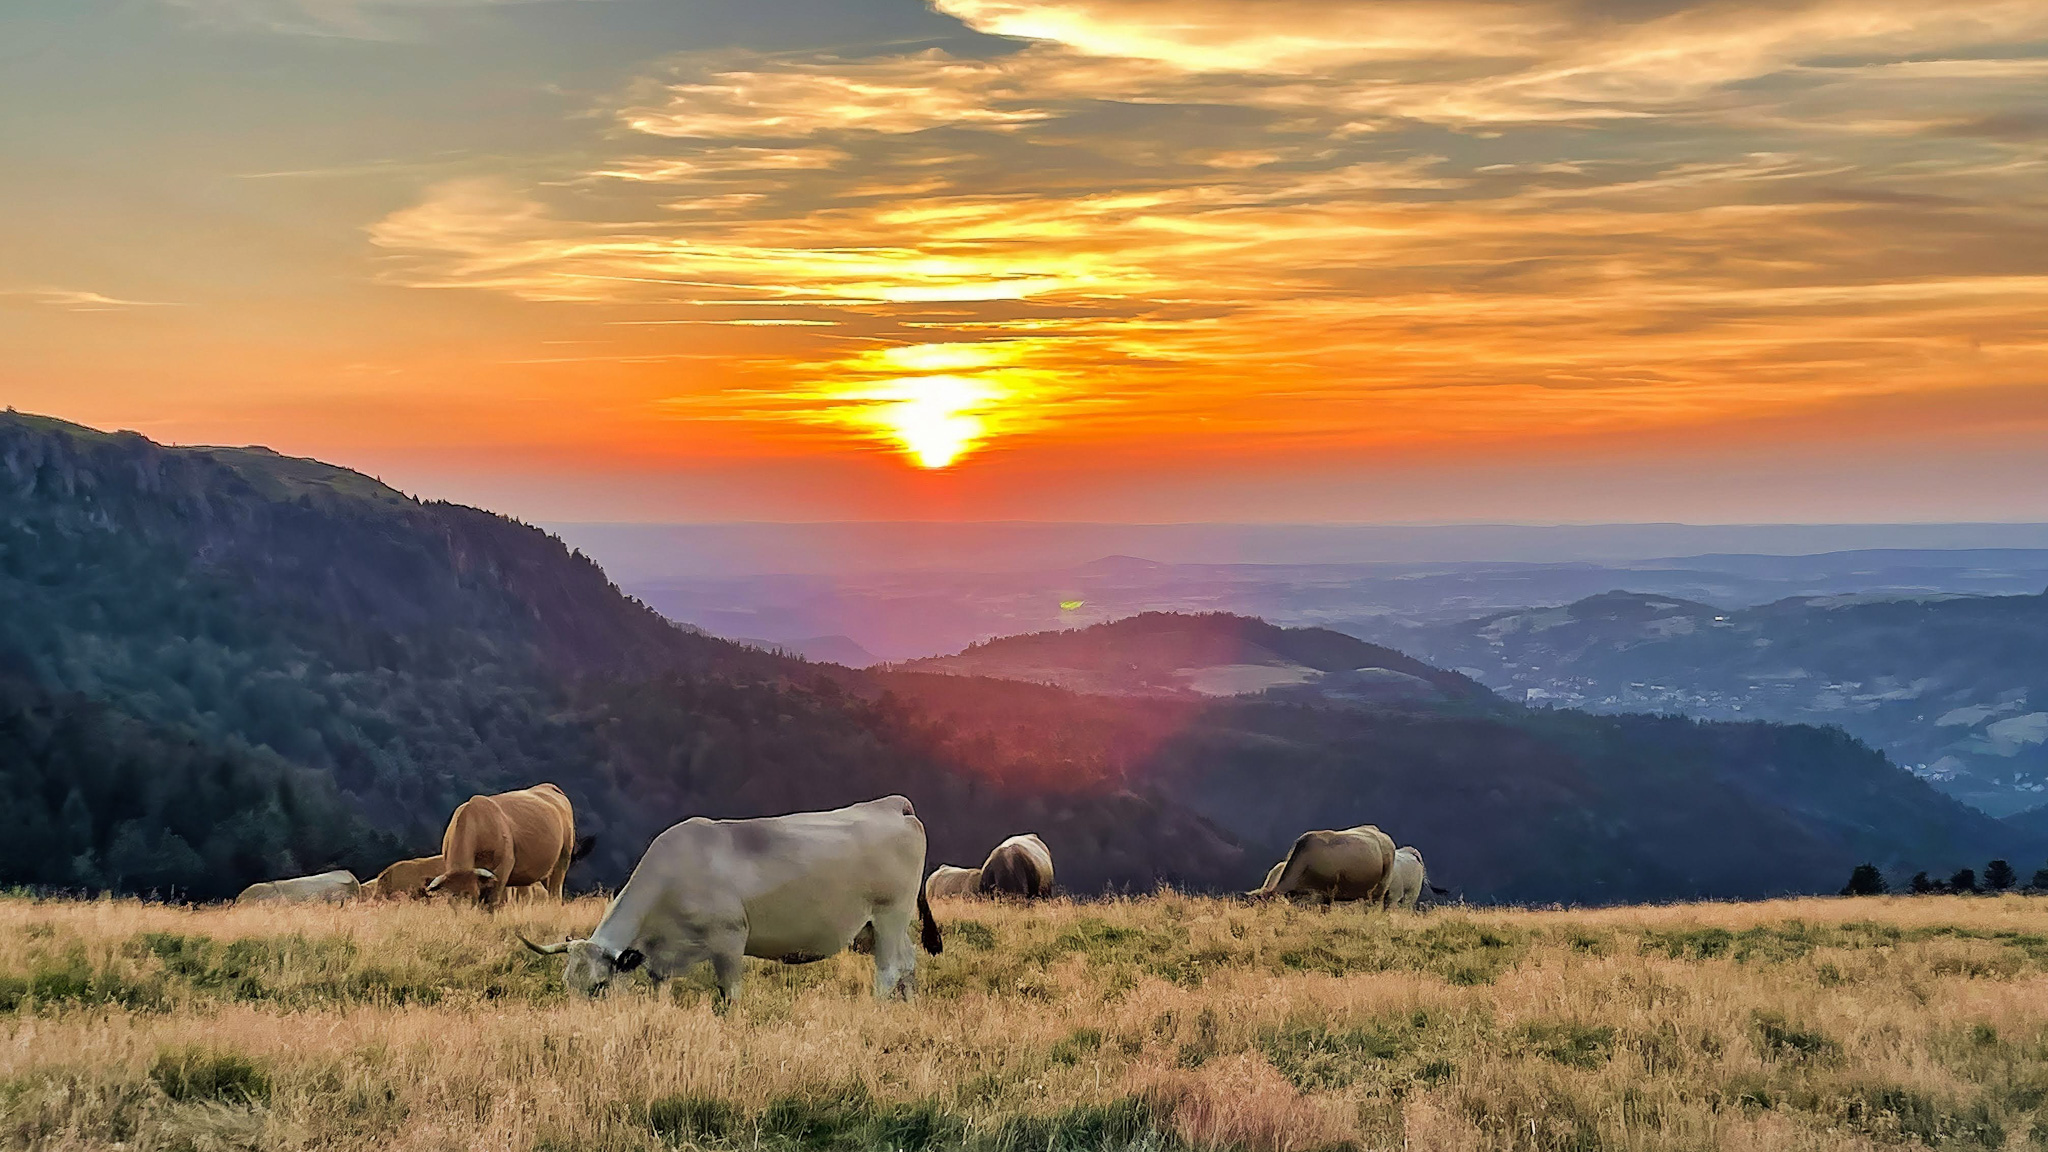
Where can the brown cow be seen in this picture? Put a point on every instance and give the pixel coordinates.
(1019, 866)
(405, 880)
(507, 840)
(1354, 864)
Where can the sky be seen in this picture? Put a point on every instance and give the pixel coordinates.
(1377, 261)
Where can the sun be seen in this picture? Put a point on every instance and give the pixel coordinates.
(935, 419)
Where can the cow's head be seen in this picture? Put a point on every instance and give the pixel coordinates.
(470, 883)
(591, 965)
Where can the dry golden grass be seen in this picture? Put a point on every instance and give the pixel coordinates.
(1167, 1022)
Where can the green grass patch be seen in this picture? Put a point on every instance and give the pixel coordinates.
(73, 980)
(1076, 1046)
(1314, 1056)
(1570, 1043)
(1780, 1039)
(970, 934)
(1127, 1125)
(209, 1074)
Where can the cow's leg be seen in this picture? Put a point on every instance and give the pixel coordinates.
(727, 966)
(895, 952)
(558, 875)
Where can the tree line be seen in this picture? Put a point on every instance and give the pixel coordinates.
(1998, 876)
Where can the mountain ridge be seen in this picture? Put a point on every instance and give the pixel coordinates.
(316, 628)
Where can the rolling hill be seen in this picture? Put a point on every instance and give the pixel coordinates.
(1210, 654)
(1954, 687)
(223, 664)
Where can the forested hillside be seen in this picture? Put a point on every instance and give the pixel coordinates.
(221, 665)
(313, 631)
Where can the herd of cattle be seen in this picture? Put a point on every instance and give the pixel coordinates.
(794, 888)
(515, 847)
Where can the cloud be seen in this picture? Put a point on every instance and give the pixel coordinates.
(1285, 36)
(1337, 222)
(346, 19)
(72, 300)
(1502, 61)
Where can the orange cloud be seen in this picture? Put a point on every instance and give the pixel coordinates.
(1200, 219)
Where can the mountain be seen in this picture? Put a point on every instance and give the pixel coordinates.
(218, 665)
(819, 649)
(1952, 686)
(1207, 655)
(339, 657)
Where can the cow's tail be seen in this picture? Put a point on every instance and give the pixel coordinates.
(928, 927)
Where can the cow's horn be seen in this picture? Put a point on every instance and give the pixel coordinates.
(484, 874)
(545, 949)
(434, 885)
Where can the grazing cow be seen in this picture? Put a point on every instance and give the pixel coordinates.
(405, 880)
(1273, 876)
(1404, 886)
(1019, 866)
(334, 886)
(794, 888)
(1354, 864)
(946, 880)
(504, 841)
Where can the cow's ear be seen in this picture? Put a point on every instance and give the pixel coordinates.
(628, 960)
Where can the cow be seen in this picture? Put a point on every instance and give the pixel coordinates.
(1354, 864)
(334, 886)
(1019, 866)
(503, 841)
(405, 880)
(794, 888)
(946, 880)
(1405, 884)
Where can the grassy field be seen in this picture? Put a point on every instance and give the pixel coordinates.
(1161, 1023)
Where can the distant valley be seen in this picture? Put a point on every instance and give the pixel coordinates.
(1953, 687)
(913, 613)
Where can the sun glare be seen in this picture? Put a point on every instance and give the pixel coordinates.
(936, 419)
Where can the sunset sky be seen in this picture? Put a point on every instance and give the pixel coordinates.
(1166, 260)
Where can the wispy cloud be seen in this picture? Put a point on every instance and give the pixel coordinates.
(1381, 224)
(73, 300)
(348, 19)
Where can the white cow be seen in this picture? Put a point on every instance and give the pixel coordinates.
(794, 888)
(947, 880)
(1404, 887)
(336, 886)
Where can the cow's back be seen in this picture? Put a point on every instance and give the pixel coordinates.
(542, 826)
(408, 879)
(803, 883)
(1352, 864)
(948, 880)
(339, 884)
(1404, 883)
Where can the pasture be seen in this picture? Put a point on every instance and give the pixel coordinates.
(1167, 1022)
